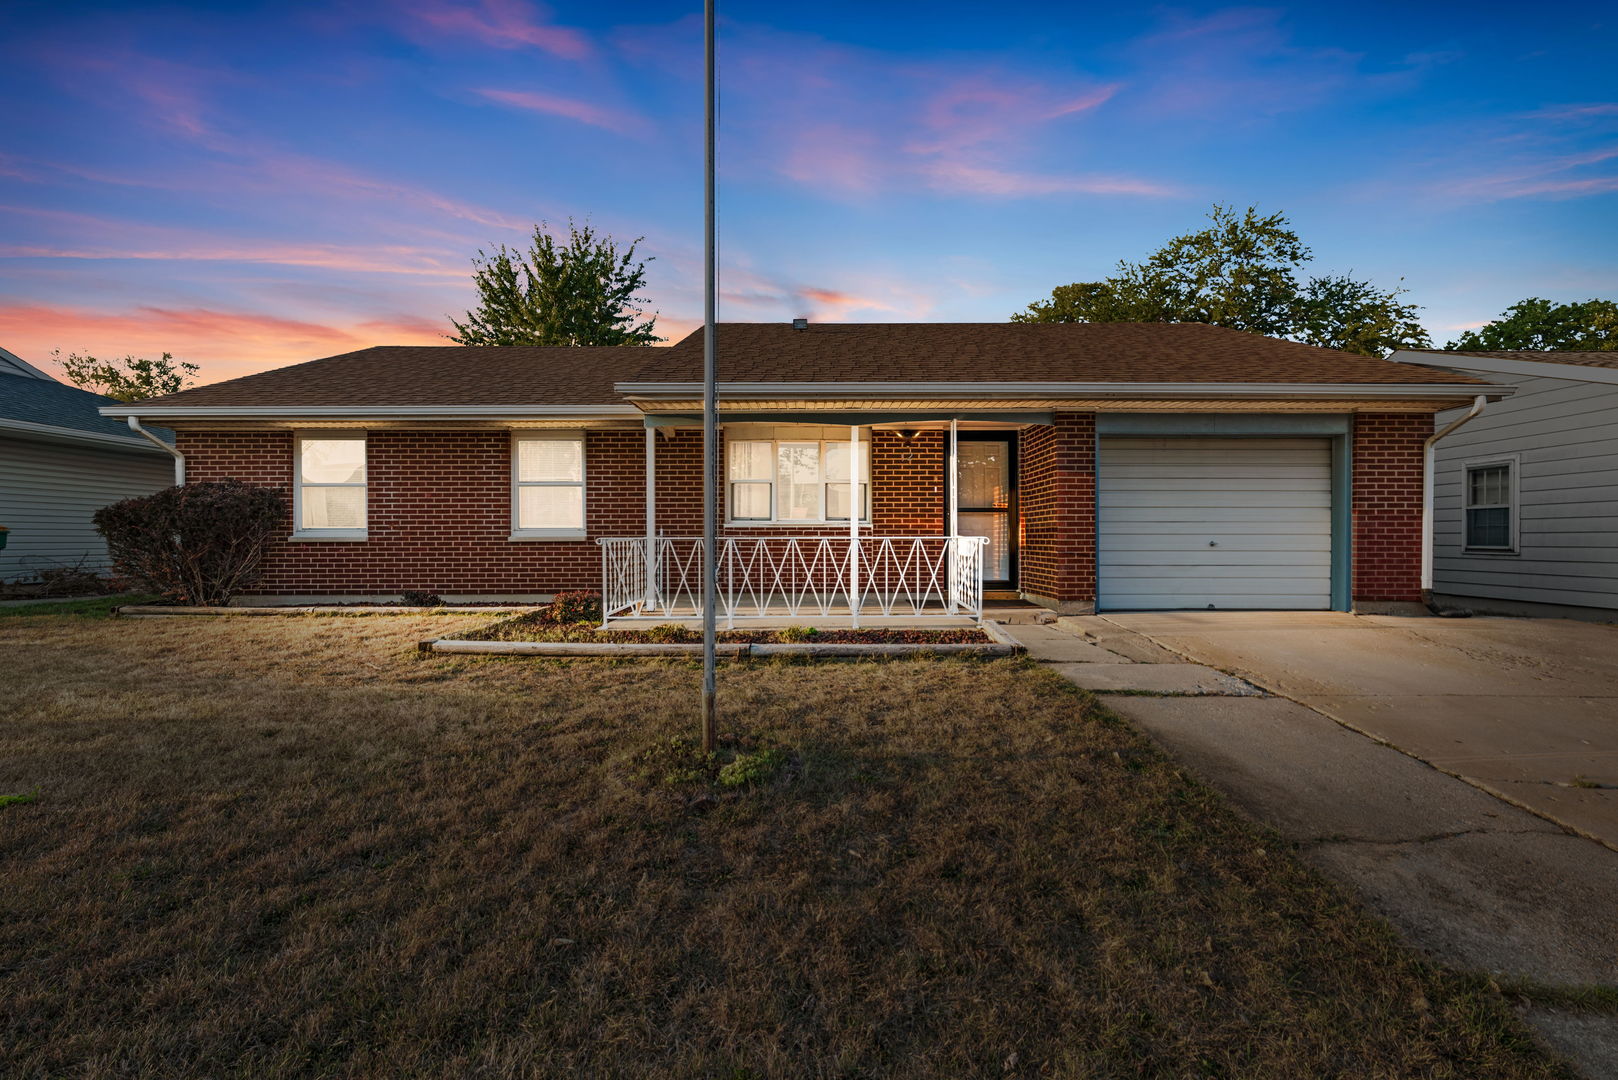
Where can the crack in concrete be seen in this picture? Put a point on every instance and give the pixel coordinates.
(1429, 839)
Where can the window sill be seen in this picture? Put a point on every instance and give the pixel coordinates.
(843, 524)
(332, 537)
(523, 536)
(1490, 551)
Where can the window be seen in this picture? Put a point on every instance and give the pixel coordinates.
(794, 480)
(547, 480)
(1491, 507)
(330, 486)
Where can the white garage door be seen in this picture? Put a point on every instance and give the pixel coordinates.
(1214, 523)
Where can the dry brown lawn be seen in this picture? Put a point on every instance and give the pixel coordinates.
(295, 847)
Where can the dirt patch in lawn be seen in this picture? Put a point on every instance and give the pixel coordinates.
(300, 848)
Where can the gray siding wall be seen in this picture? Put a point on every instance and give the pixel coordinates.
(1566, 435)
(49, 490)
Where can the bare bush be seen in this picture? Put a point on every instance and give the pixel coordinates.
(193, 544)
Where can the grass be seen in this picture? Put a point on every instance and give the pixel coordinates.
(94, 607)
(296, 847)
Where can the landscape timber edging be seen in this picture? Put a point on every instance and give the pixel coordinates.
(149, 610)
(999, 644)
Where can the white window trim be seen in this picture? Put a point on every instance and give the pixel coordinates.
(582, 484)
(1513, 462)
(301, 534)
(772, 522)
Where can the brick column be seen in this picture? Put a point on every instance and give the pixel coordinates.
(1387, 506)
(1057, 495)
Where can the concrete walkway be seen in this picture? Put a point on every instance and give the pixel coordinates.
(1479, 883)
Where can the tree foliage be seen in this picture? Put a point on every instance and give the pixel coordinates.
(131, 379)
(582, 292)
(1242, 272)
(1535, 324)
(194, 544)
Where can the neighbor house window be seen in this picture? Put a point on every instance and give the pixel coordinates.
(795, 480)
(330, 486)
(547, 477)
(1491, 507)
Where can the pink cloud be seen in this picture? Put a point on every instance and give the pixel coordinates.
(225, 343)
(84, 236)
(959, 177)
(1527, 177)
(860, 122)
(618, 121)
(504, 24)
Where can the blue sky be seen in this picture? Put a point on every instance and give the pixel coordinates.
(247, 185)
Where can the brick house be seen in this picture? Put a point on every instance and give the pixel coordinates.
(1111, 466)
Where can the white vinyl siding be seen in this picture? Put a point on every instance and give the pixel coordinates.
(330, 486)
(49, 491)
(547, 480)
(1198, 523)
(1562, 435)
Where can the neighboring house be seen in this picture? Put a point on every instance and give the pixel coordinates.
(1120, 465)
(60, 462)
(1526, 494)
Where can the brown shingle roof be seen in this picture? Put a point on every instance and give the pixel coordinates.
(1546, 356)
(1021, 352)
(451, 375)
(389, 375)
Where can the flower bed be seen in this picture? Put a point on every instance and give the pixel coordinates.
(532, 627)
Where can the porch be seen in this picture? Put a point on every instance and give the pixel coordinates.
(805, 580)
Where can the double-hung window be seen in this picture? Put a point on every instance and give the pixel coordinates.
(547, 486)
(329, 488)
(1491, 507)
(794, 480)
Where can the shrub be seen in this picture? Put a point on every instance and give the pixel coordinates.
(798, 635)
(676, 762)
(670, 634)
(420, 598)
(77, 580)
(193, 544)
(749, 769)
(573, 607)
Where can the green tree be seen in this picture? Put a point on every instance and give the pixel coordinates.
(131, 379)
(1241, 271)
(1355, 316)
(1535, 324)
(582, 292)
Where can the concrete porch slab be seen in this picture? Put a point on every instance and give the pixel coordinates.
(1154, 679)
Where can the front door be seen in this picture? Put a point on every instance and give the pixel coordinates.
(986, 488)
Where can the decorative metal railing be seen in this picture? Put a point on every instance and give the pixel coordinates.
(790, 576)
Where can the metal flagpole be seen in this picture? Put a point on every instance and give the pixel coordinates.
(710, 426)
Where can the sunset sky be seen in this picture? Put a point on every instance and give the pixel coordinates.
(247, 185)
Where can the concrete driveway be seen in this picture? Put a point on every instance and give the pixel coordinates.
(1455, 820)
(1526, 709)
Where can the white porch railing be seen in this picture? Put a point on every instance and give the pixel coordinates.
(787, 577)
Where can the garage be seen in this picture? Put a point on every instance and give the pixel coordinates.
(1214, 523)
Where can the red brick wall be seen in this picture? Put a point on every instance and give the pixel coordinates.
(440, 507)
(439, 513)
(1387, 505)
(1057, 497)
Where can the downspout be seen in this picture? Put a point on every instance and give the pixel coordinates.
(1427, 457)
(179, 458)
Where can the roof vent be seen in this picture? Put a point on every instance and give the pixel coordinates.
(800, 324)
